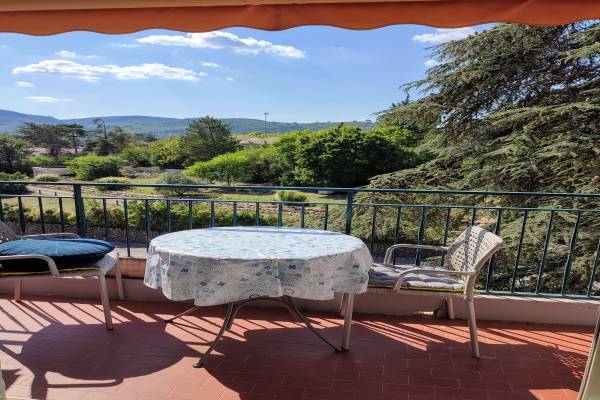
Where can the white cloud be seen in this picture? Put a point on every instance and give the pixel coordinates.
(229, 79)
(124, 45)
(72, 55)
(66, 54)
(25, 84)
(224, 40)
(48, 99)
(431, 63)
(3, 46)
(210, 65)
(443, 35)
(92, 73)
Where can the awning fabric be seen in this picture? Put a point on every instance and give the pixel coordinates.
(44, 17)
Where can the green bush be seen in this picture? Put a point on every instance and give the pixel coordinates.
(47, 178)
(91, 167)
(172, 178)
(291, 195)
(47, 161)
(137, 156)
(112, 179)
(179, 212)
(12, 188)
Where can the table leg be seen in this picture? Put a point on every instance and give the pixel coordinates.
(228, 317)
(296, 312)
(188, 311)
(349, 303)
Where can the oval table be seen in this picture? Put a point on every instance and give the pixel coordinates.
(236, 265)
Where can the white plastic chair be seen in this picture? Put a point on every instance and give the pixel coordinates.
(464, 260)
(97, 269)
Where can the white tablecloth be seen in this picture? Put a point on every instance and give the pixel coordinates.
(222, 265)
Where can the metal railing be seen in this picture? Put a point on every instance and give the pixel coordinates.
(553, 239)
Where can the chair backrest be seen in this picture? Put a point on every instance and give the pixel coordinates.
(7, 233)
(472, 249)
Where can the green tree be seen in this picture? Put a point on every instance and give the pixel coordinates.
(513, 108)
(206, 138)
(349, 156)
(76, 134)
(112, 142)
(92, 167)
(13, 153)
(229, 167)
(168, 153)
(139, 155)
(54, 138)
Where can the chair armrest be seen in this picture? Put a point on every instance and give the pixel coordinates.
(48, 260)
(429, 271)
(50, 235)
(390, 251)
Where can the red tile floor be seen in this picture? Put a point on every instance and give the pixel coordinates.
(58, 349)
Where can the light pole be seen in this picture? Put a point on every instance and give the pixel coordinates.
(266, 122)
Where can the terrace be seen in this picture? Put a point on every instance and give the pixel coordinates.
(535, 319)
(536, 301)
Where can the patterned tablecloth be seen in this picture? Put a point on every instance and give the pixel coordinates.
(223, 265)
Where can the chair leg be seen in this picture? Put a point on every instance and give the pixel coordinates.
(119, 279)
(18, 288)
(473, 327)
(105, 301)
(450, 307)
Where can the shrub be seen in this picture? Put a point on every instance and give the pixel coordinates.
(137, 156)
(229, 166)
(47, 161)
(47, 178)
(12, 188)
(89, 168)
(172, 178)
(112, 179)
(291, 195)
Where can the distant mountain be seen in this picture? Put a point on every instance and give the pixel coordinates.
(10, 122)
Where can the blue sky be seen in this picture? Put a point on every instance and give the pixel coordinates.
(303, 74)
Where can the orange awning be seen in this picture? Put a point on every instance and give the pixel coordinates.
(45, 17)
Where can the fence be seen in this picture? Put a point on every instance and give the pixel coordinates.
(552, 239)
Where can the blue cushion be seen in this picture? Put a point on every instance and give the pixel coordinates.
(66, 253)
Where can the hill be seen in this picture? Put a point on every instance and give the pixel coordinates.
(10, 122)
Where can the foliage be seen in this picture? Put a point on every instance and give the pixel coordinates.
(54, 138)
(12, 188)
(171, 178)
(179, 212)
(13, 153)
(291, 195)
(168, 153)
(229, 167)
(206, 138)
(47, 178)
(139, 155)
(92, 166)
(47, 161)
(112, 179)
(345, 156)
(112, 142)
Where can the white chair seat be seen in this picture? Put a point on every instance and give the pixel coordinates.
(382, 276)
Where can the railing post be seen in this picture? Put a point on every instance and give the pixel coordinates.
(79, 210)
(349, 204)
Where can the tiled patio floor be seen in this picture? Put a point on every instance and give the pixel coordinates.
(58, 349)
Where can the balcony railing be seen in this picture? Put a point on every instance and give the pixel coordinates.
(552, 239)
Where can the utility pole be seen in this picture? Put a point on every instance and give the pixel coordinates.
(266, 122)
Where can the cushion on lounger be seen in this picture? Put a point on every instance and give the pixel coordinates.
(66, 253)
(381, 276)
